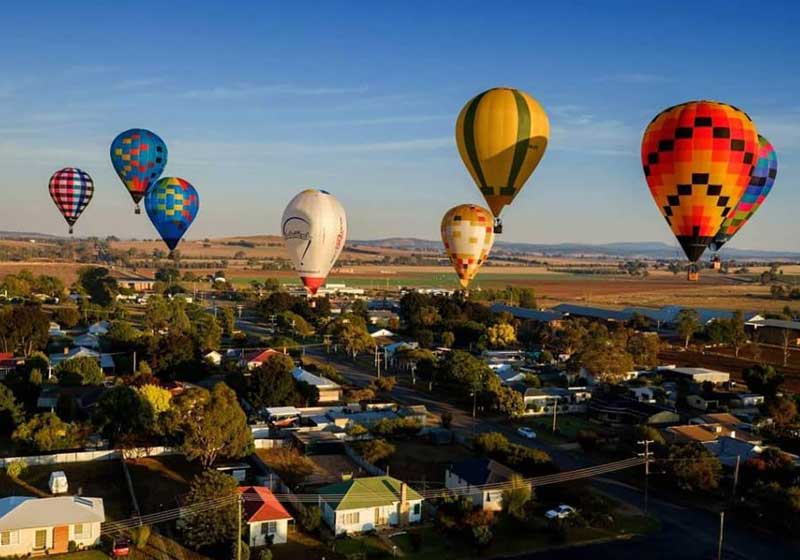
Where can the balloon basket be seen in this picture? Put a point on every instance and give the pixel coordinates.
(693, 273)
(70, 230)
(137, 210)
(498, 225)
(716, 263)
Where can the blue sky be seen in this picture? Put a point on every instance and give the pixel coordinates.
(258, 100)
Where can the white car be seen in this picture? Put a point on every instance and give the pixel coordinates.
(526, 432)
(561, 512)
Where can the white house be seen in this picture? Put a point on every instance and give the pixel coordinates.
(328, 390)
(87, 340)
(366, 504)
(46, 525)
(213, 357)
(106, 361)
(382, 333)
(267, 520)
(468, 477)
(55, 331)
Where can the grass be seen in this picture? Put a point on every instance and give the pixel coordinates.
(160, 481)
(96, 479)
(370, 545)
(417, 460)
(83, 555)
(567, 425)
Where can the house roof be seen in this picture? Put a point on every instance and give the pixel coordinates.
(775, 323)
(592, 312)
(544, 316)
(367, 492)
(316, 380)
(129, 275)
(19, 512)
(106, 360)
(708, 432)
(480, 471)
(260, 504)
(260, 356)
(725, 418)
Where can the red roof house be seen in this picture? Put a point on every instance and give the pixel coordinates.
(267, 520)
(256, 358)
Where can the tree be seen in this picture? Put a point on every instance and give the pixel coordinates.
(516, 498)
(174, 355)
(782, 410)
(501, 335)
(120, 412)
(606, 360)
(491, 443)
(294, 323)
(448, 339)
(23, 328)
(310, 518)
(509, 401)
(273, 384)
(213, 425)
(644, 349)
(763, 380)
(12, 414)
(688, 323)
(207, 332)
(354, 338)
(376, 450)
(83, 370)
(737, 337)
(67, 317)
(97, 283)
(157, 398)
(693, 467)
(228, 321)
(215, 525)
(46, 432)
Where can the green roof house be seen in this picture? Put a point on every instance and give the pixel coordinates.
(364, 504)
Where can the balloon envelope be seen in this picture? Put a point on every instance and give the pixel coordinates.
(71, 190)
(314, 227)
(468, 236)
(761, 182)
(172, 205)
(501, 134)
(139, 157)
(698, 158)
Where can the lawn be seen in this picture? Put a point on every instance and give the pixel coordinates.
(160, 481)
(83, 555)
(95, 479)
(417, 461)
(567, 427)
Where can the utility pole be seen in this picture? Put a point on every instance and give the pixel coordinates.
(239, 528)
(735, 478)
(474, 406)
(646, 456)
(721, 531)
(134, 362)
(555, 413)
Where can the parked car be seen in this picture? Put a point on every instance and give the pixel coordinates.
(121, 547)
(526, 432)
(561, 512)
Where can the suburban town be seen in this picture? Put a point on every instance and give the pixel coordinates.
(140, 418)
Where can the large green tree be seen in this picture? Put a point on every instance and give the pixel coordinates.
(203, 526)
(692, 467)
(83, 370)
(12, 413)
(23, 329)
(98, 284)
(47, 432)
(688, 324)
(273, 384)
(121, 412)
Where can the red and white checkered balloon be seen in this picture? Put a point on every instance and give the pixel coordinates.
(71, 189)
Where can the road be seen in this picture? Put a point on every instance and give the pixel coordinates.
(686, 533)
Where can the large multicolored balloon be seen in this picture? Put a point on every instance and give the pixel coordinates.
(139, 157)
(314, 228)
(698, 158)
(172, 205)
(468, 236)
(761, 182)
(501, 134)
(71, 189)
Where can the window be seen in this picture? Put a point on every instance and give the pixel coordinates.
(351, 518)
(79, 531)
(417, 508)
(9, 537)
(269, 528)
(40, 539)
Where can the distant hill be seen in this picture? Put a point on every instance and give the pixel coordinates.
(643, 249)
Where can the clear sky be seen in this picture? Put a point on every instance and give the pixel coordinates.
(257, 100)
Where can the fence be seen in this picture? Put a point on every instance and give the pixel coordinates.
(269, 443)
(83, 456)
(276, 485)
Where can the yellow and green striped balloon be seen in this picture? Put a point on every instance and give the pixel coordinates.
(501, 134)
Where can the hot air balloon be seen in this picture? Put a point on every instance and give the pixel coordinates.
(71, 189)
(761, 182)
(698, 158)
(501, 134)
(139, 157)
(172, 205)
(314, 229)
(467, 235)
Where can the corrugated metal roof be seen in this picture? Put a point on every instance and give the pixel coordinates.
(25, 513)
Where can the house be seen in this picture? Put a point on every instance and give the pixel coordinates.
(391, 350)
(643, 394)
(328, 390)
(382, 333)
(267, 520)
(471, 476)
(256, 358)
(541, 401)
(85, 396)
(87, 340)
(596, 313)
(774, 331)
(726, 400)
(626, 411)
(47, 525)
(106, 361)
(213, 357)
(282, 416)
(705, 433)
(55, 331)
(697, 375)
(100, 328)
(8, 364)
(366, 504)
(508, 374)
(132, 280)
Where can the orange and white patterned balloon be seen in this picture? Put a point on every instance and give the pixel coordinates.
(468, 235)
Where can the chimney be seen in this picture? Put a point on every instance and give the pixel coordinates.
(66, 350)
(402, 507)
(733, 434)
(718, 428)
